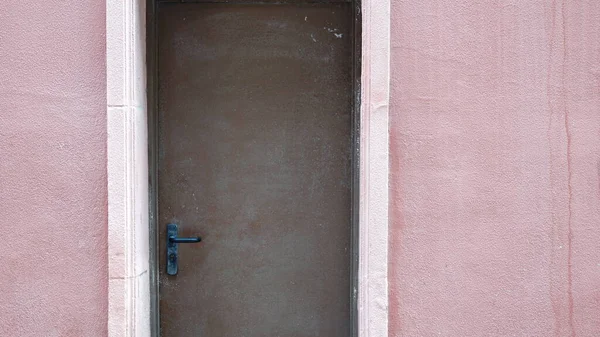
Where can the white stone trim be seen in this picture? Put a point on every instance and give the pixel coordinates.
(128, 227)
(374, 170)
(128, 285)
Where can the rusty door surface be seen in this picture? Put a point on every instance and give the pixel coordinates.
(254, 156)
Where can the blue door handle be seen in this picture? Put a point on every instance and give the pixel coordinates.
(173, 242)
(174, 239)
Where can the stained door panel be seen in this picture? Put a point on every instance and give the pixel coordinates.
(254, 156)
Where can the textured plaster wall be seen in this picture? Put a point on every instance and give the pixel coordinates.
(53, 256)
(495, 161)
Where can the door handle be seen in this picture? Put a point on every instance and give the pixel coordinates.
(173, 239)
(173, 242)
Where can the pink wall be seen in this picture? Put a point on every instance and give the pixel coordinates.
(495, 145)
(53, 270)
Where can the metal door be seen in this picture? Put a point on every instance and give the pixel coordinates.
(254, 156)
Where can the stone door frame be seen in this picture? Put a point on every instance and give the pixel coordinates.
(129, 232)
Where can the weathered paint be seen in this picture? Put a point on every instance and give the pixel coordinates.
(495, 126)
(53, 270)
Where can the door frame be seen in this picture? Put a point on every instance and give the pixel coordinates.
(132, 232)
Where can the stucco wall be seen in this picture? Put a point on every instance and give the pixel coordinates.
(53, 270)
(495, 144)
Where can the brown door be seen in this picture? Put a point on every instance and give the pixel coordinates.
(254, 156)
